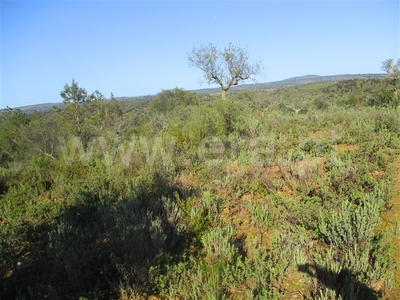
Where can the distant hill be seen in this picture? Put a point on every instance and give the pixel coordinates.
(286, 83)
(293, 82)
(28, 109)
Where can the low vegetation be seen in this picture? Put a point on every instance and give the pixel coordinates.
(265, 195)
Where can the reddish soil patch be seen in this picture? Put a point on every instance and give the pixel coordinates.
(345, 147)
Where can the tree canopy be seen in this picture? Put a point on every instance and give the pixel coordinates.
(225, 67)
(73, 94)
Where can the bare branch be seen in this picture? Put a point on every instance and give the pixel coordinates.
(296, 109)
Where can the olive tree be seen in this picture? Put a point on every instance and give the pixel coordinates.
(225, 67)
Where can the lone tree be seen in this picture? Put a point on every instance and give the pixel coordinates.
(226, 68)
(74, 95)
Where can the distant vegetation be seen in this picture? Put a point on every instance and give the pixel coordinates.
(268, 194)
(129, 103)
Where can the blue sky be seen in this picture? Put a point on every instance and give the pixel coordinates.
(134, 48)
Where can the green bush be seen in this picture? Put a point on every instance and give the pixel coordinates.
(167, 100)
(351, 225)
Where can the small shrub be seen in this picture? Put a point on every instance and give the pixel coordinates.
(293, 246)
(350, 225)
(316, 147)
(218, 244)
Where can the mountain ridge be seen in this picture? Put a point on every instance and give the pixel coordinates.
(298, 81)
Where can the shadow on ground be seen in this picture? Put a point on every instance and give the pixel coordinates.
(95, 248)
(343, 283)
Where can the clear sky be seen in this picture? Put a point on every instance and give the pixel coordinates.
(134, 48)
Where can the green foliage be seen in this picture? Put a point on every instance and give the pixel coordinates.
(321, 103)
(167, 100)
(223, 274)
(86, 115)
(350, 225)
(73, 94)
(262, 216)
(388, 94)
(204, 122)
(356, 100)
(385, 97)
(218, 244)
(293, 246)
(187, 196)
(233, 114)
(13, 124)
(262, 272)
(316, 147)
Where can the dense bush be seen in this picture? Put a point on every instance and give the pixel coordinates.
(167, 100)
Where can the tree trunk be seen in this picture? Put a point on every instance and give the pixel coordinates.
(223, 94)
(77, 117)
